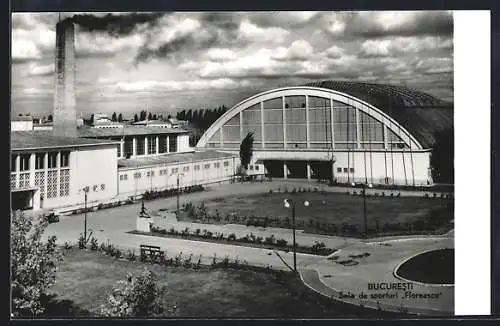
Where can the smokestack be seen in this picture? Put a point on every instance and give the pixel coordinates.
(64, 99)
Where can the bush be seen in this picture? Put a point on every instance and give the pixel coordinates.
(52, 218)
(318, 247)
(93, 244)
(67, 245)
(138, 296)
(281, 242)
(270, 240)
(231, 237)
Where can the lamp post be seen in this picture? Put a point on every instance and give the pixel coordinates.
(178, 192)
(290, 203)
(85, 190)
(364, 186)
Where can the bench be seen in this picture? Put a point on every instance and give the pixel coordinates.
(152, 253)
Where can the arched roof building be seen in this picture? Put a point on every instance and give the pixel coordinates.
(341, 124)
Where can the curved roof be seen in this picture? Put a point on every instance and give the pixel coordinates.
(421, 114)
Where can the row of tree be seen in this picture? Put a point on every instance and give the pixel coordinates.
(202, 118)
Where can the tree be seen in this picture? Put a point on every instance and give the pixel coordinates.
(155, 117)
(92, 118)
(246, 150)
(139, 296)
(442, 157)
(113, 117)
(143, 115)
(136, 118)
(150, 116)
(120, 118)
(49, 117)
(169, 117)
(33, 264)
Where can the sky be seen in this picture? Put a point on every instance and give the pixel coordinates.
(163, 62)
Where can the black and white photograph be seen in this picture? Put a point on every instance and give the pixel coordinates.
(271, 164)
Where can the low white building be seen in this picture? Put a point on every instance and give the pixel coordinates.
(21, 123)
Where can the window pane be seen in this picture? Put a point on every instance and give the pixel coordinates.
(297, 101)
(320, 116)
(13, 166)
(273, 133)
(295, 116)
(215, 138)
(275, 103)
(139, 143)
(296, 133)
(318, 102)
(231, 133)
(64, 159)
(25, 162)
(52, 160)
(251, 117)
(128, 146)
(273, 116)
(162, 144)
(172, 143)
(256, 129)
(234, 121)
(344, 115)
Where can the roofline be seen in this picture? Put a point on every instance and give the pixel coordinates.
(65, 146)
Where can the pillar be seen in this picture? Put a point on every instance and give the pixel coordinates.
(308, 169)
(134, 145)
(32, 170)
(146, 145)
(168, 144)
(122, 147)
(157, 145)
(285, 171)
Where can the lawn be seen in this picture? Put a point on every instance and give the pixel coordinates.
(332, 213)
(434, 267)
(85, 278)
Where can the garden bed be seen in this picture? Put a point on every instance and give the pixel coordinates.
(249, 240)
(431, 267)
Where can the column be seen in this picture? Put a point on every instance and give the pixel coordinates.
(45, 177)
(134, 145)
(358, 129)
(32, 170)
(157, 145)
(146, 143)
(385, 137)
(262, 125)
(332, 123)
(285, 171)
(308, 169)
(58, 172)
(284, 123)
(168, 144)
(122, 147)
(18, 164)
(308, 137)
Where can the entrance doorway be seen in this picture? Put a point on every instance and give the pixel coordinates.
(22, 200)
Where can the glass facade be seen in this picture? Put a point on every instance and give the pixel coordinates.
(299, 122)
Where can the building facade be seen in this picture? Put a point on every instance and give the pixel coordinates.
(342, 131)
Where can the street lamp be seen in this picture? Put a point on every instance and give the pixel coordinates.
(290, 203)
(85, 190)
(364, 186)
(178, 191)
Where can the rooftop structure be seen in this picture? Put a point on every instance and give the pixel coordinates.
(34, 140)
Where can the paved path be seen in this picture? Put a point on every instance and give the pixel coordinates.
(328, 277)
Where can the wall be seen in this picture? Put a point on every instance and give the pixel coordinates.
(164, 179)
(183, 143)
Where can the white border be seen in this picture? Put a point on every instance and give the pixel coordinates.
(472, 162)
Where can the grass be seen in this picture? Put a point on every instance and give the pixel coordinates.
(328, 212)
(84, 279)
(434, 267)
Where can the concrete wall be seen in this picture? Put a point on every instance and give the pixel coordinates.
(183, 143)
(167, 180)
(409, 167)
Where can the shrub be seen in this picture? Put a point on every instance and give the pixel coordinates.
(231, 237)
(198, 263)
(131, 255)
(214, 260)
(67, 245)
(318, 247)
(82, 242)
(178, 259)
(197, 232)
(187, 261)
(94, 244)
(138, 296)
(33, 264)
(281, 242)
(259, 240)
(225, 262)
(270, 240)
(185, 232)
(102, 247)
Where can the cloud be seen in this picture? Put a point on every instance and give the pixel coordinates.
(251, 32)
(298, 50)
(147, 86)
(24, 50)
(368, 24)
(220, 54)
(404, 45)
(334, 52)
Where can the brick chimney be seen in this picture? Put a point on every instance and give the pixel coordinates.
(64, 100)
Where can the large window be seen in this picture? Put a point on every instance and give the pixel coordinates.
(344, 120)
(24, 162)
(231, 132)
(39, 161)
(320, 120)
(151, 145)
(52, 160)
(214, 141)
(128, 147)
(64, 159)
(172, 140)
(163, 144)
(296, 101)
(273, 123)
(139, 144)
